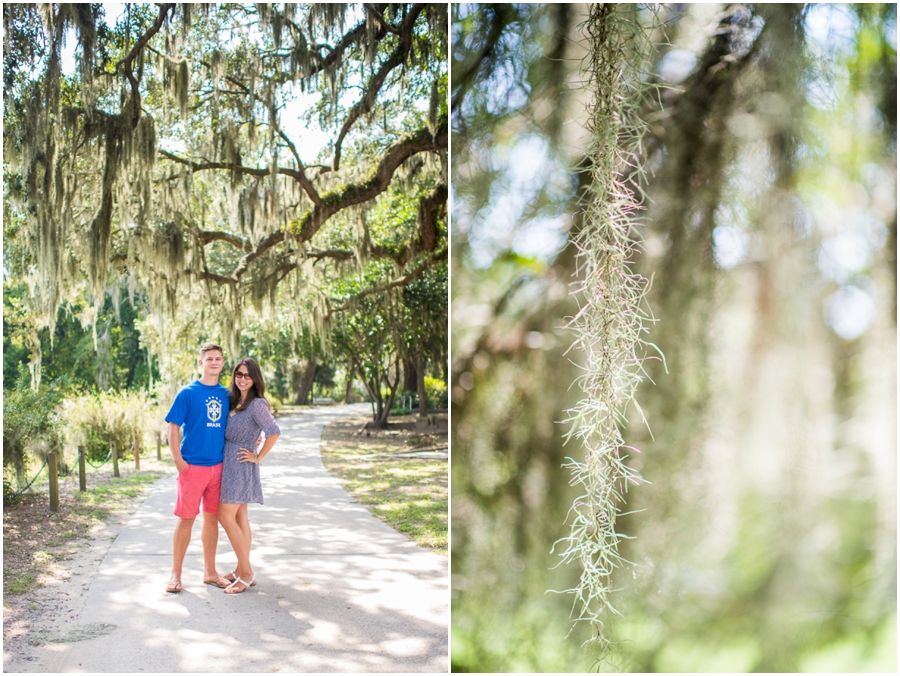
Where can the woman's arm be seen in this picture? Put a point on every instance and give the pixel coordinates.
(259, 410)
(267, 446)
(246, 455)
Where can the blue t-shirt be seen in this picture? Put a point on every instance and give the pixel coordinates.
(201, 410)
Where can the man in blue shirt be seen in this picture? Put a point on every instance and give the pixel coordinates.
(200, 410)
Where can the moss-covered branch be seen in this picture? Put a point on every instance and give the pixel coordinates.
(128, 62)
(356, 193)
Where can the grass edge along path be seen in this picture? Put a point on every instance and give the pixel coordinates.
(408, 494)
(36, 540)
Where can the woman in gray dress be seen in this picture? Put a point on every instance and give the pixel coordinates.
(248, 415)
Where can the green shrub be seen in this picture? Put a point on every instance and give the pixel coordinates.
(436, 392)
(96, 448)
(31, 422)
(9, 493)
(93, 421)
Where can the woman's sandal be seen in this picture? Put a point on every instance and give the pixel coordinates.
(246, 585)
(234, 574)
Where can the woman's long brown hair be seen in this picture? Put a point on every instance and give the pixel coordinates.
(258, 390)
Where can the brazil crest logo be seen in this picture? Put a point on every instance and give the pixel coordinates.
(213, 409)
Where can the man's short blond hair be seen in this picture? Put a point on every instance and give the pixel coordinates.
(209, 347)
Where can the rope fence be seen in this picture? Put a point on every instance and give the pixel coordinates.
(20, 492)
(108, 456)
(72, 467)
(52, 460)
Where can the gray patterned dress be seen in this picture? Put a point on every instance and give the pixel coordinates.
(240, 480)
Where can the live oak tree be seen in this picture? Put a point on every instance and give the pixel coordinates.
(178, 159)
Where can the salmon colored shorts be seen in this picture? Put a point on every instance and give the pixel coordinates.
(198, 483)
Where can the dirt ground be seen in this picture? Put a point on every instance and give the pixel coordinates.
(50, 559)
(396, 438)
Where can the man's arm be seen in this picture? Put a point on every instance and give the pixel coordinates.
(175, 447)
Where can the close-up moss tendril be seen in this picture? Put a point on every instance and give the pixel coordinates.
(612, 322)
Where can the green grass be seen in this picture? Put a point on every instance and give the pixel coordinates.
(401, 497)
(35, 539)
(17, 582)
(129, 486)
(408, 494)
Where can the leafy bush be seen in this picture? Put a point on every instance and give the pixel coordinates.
(436, 392)
(30, 423)
(96, 448)
(274, 402)
(93, 421)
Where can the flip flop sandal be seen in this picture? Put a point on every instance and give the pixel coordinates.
(246, 585)
(174, 586)
(217, 582)
(234, 572)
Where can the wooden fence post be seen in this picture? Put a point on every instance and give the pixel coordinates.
(82, 470)
(54, 482)
(158, 446)
(115, 457)
(137, 451)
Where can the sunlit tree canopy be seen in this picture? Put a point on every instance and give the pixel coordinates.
(223, 164)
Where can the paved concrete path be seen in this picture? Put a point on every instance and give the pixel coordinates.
(338, 591)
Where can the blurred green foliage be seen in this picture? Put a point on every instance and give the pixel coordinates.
(436, 392)
(117, 360)
(766, 540)
(30, 420)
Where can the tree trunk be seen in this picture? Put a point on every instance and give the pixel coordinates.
(420, 384)
(372, 387)
(385, 412)
(19, 463)
(410, 373)
(349, 391)
(306, 383)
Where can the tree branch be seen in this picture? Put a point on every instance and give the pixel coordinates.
(129, 59)
(357, 193)
(364, 105)
(401, 281)
(298, 176)
(501, 17)
(211, 276)
(336, 254)
(400, 258)
(430, 208)
(306, 227)
(355, 34)
(301, 170)
(379, 17)
(207, 236)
